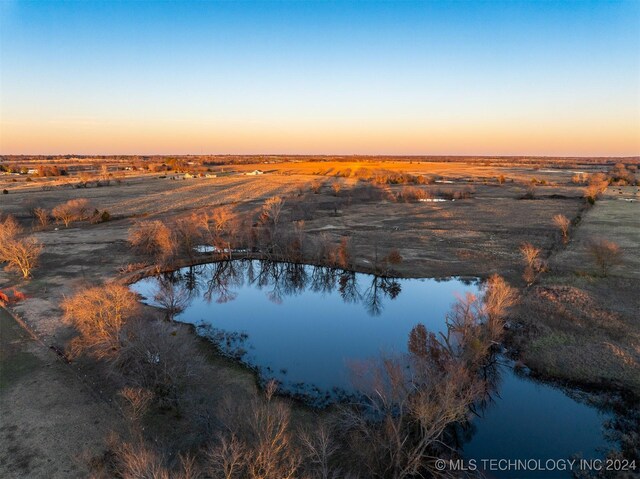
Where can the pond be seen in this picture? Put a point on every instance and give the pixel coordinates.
(308, 326)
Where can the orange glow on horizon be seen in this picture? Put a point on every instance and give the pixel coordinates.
(519, 137)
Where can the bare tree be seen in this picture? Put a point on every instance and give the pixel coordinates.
(224, 224)
(138, 401)
(9, 228)
(320, 447)
(20, 254)
(414, 402)
(563, 223)
(259, 443)
(99, 315)
(316, 185)
(597, 185)
(272, 455)
(606, 254)
(343, 253)
(187, 235)
(415, 398)
(42, 217)
(152, 356)
(271, 211)
(137, 461)
(498, 298)
(153, 239)
(531, 258)
(227, 459)
(72, 210)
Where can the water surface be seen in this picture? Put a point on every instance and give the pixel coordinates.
(307, 326)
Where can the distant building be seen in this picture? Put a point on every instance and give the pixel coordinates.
(254, 173)
(188, 176)
(32, 171)
(210, 175)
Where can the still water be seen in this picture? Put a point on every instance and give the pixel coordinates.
(308, 326)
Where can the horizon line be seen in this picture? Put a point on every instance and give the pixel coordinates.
(322, 155)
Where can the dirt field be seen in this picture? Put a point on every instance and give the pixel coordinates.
(50, 409)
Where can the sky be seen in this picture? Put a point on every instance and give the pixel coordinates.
(553, 78)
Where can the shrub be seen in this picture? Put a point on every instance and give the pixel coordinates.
(5, 192)
(99, 315)
(410, 194)
(153, 239)
(72, 210)
(42, 217)
(563, 223)
(316, 186)
(530, 192)
(606, 254)
(532, 261)
(159, 357)
(9, 228)
(597, 185)
(394, 257)
(260, 443)
(20, 254)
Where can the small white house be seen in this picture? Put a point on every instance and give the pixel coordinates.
(254, 173)
(211, 175)
(32, 171)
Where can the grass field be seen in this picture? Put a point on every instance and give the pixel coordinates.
(573, 325)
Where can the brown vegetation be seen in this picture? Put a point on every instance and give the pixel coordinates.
(154, 240)
(532, 261)
(72, 210)
(605, 254)
(99, 315)
(21, 254)
(563, 223)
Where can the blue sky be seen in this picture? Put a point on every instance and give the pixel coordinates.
(554, 78)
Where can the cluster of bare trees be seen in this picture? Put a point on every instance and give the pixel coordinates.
(18, 251)
(414, 399)
(598, 183)
(224, 232)
(152, 359)
(73, 210)
(79, 209)
(622, 174)
(153, 240)
(162, 243)
(604, 253)
(398, 427)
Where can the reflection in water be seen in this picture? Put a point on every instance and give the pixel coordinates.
(218, 282)
(305, 326)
